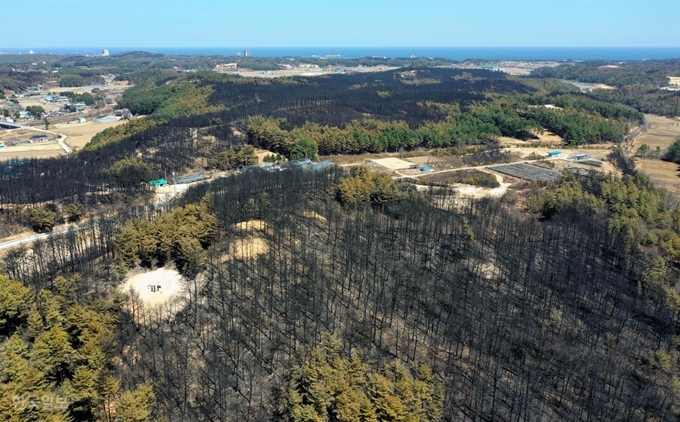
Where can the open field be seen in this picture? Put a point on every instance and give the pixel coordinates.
(393, 163)
(309, 72)
(39, 101)
(44, 153)
(673, 80)
(118, 86)
(21, 134)
(663, 173)
(585, 86)
(662, 132)
(25, 150)
(79, 134)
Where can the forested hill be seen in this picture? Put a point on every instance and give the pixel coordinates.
(618, 74)
(637, 82)
(358, 113)
(387, 307)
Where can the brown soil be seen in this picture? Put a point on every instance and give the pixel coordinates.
(246, 247)
(251, 225)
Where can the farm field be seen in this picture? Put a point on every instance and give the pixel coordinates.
(79, 134)
(45, 150)
(663, 173)
(662, 133)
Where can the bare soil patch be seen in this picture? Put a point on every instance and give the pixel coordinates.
(393, 163)
(516, 71)
(346, 160)
(315, 215)
(246, 247)
(145, 285)
(251, 225)
(261, 153)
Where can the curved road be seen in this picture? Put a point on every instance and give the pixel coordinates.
(35, 237)
(61, 140)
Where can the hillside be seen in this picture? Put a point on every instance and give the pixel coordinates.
(344, 294)
(569, 318)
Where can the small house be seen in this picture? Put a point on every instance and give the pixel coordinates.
(554, 153)
(38, 138)
(81, 119)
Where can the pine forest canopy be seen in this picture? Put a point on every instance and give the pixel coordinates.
(341, 296)
(482, 307)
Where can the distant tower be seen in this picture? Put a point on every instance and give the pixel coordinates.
(105, 52)
(31, 52)
(246, 53)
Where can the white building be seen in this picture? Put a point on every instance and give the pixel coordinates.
(105, 52)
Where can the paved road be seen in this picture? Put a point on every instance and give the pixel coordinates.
(28, 239)
(163, 198)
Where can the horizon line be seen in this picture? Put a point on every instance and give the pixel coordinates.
(353, 46)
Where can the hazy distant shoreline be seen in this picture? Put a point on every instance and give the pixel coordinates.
(450, 53)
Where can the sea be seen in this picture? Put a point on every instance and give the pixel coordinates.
(450, 53)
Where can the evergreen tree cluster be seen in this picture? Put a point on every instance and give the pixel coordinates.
(56, 357)
(179, 236)
(619, 74)
(328, 387)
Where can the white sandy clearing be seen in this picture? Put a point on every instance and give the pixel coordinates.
(673, 80)
(172, 285)
(481, 192)
(393, 163)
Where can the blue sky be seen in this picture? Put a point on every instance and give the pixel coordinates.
(300, 23)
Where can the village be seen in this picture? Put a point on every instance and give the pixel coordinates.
(38, 121)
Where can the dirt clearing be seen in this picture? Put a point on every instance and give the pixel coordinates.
(251, 225)
(246, 247)
(155, 288)
(393, 163)
(261, 153)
